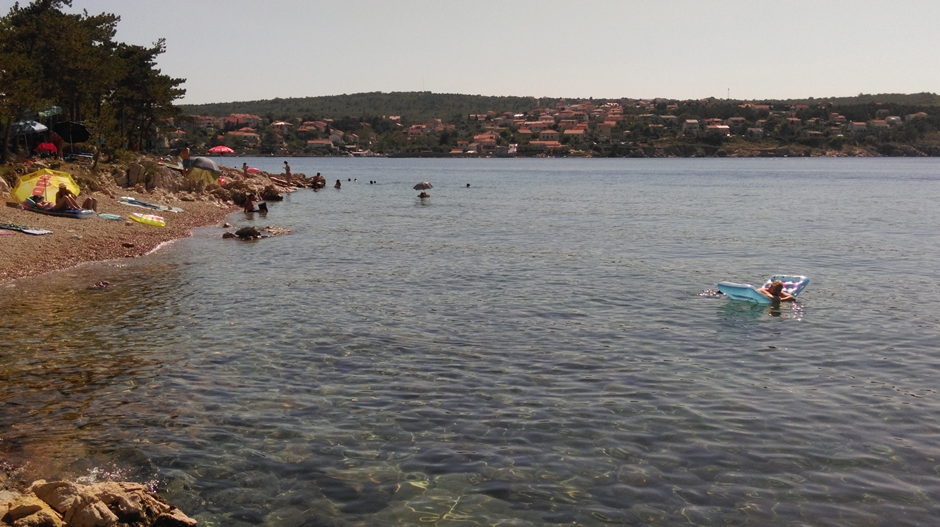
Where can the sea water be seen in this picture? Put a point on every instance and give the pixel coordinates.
(541, 347)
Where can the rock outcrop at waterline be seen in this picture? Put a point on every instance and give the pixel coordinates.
(254, 233)
(66, 504)
(147, 175)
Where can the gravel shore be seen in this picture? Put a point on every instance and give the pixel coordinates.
(74, 241)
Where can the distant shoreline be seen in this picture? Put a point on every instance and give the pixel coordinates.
(653, 152)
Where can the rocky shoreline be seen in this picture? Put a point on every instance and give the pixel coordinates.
(67, 504)
(76, 241)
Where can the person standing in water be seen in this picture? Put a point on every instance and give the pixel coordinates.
(338, 185)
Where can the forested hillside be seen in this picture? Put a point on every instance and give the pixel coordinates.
(414, 106)
(902, 99)
(422, 106)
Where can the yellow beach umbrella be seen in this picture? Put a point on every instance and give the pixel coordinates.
(43, 182)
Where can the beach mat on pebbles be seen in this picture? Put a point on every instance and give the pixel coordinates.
(24, 229)
(152, 206)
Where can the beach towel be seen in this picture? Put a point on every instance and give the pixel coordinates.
(143, 204)
(24, 229)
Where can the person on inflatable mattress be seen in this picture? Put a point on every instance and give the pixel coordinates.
(774, 291)
(39, 202)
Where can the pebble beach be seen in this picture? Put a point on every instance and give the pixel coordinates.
(74, 241)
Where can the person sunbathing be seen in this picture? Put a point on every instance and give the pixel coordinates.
(39, 202)
(65, 200)
(774, 291)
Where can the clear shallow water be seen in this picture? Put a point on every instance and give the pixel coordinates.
(532, 350)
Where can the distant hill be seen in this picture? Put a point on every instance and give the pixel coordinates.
(412, 106)
(422, 106)
(913, 99)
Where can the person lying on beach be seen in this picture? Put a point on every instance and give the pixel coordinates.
(40, 202)
(775, 292)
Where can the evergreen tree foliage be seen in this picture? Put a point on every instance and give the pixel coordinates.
(52, 58)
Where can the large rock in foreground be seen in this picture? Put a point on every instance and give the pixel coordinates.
(112, 504)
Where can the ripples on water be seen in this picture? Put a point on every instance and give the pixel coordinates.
(535, 349)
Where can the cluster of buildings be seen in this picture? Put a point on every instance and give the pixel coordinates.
(575, 126)
(833, 125)
(244, 129)
(583, 124)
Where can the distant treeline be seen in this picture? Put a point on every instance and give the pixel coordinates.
(412, 106)
(417, 107)
(900, 99)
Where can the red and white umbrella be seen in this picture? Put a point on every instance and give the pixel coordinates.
(220, 149)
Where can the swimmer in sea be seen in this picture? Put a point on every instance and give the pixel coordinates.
(775, 292)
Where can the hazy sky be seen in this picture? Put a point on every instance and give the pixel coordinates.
(238, 50)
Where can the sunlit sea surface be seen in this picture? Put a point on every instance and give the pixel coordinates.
(542, 347)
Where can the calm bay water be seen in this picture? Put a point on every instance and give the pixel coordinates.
(535, 349)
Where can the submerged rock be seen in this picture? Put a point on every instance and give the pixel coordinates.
(248, 232)
(254, 233)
